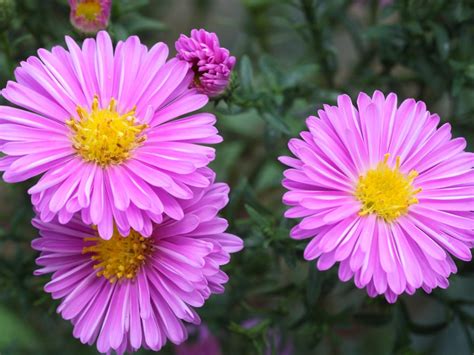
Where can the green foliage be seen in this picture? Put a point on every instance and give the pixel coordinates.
(292, 57)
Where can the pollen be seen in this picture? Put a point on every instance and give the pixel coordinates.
(386, 191)
(103, 135)
(89, 9)
(119, 258)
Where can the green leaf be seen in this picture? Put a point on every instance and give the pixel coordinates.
(276, 123)
(138, 23)
(315, 283)
(228, 156)
(127, 6)
(442, 40)
(269, 69)
(246, 74)
(255, 215)
(299, 75)
(373, 319)
(15, 332)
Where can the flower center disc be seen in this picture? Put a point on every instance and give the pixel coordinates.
(119, 257)
(103, 135)
(386, 192)
(90, 9)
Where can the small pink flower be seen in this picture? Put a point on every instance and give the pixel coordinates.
(204, 342)
(90, 16)
(211, 63)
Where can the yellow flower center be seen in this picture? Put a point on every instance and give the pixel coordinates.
(386, 192)
(119, 257)
(103, 135)
(89, 9)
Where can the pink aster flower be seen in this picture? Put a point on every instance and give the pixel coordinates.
(105, 128)
(384, 192)
(90, 16)
(136, 291)
(211, 63)
(204, 342)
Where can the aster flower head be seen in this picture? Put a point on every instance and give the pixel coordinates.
(383, 191)
(130, 292)
(211, 63)
(105, 130)
(90, 16)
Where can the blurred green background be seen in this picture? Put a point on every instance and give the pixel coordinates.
(292, 56)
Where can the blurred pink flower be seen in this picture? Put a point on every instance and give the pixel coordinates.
(211, 63)
(276, 344)
(201, 342)
(90, 16)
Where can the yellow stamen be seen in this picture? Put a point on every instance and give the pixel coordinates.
(104, 136)
(386, 191)
(119, 257)
(89, 9)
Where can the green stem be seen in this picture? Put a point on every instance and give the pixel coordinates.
(465, 321)
(317, 38)
(8, 53)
